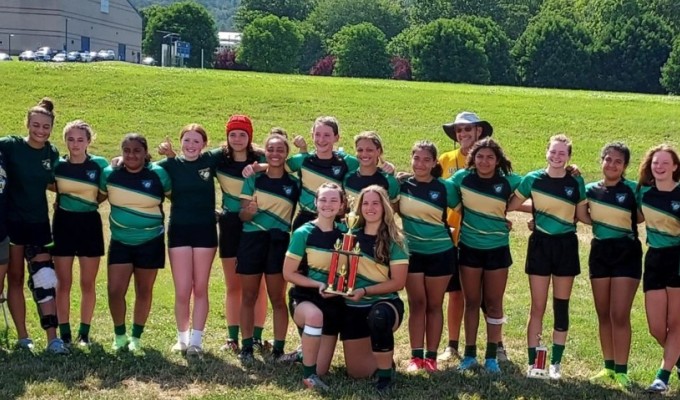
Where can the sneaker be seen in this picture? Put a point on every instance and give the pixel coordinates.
(246, 355)
(57, 346)
(290, 358)
(430, 365)
(276, 355)
(179, 347)
(415, 364)
(25, 344)
(605, 374)
(195, 351)
(449, 354)
(467, 363)
(501, 354)
(134, 345)
(120, 342)
(67, 339)
(623, 381)
(555, 371)
(491, 366)
(262, 347)
(231, 345)
(658, 386)
(83, 341)
(314, 382)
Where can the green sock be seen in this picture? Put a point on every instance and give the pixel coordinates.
(663, 375)
(65, 330)
(491, 350)
(384, 373)
(609, 364)
(431, 355)
(470, 351)
(119, 330)
(257, 333)
(557, 351)
(247, 343)
(418, 353)
(532, 355)
(84, 329)
(137, 331)
(621, 368)
(279, 345)
(307, 371)
(232, 331)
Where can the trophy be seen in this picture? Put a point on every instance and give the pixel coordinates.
(540, 367)
(341, 280)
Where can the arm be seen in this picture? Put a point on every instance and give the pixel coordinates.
(582, 213)
(248, 209)
(517, 203)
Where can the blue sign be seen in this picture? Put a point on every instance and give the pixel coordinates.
(183, 49)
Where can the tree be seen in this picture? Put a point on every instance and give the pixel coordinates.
(449, 51)
(400, 44)
(313, 47)
(270, 44)
(670, 73)
(553, 52)
(291, 9)
(329, 16)
(423, 12)
(667, 10)
(361, 51)
(188, 19)
(497, 49)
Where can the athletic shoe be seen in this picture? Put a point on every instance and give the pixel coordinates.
(555, 371)
(658, 386)
(430, 365)
(231, 345)
(623, 381)
(467, 363)
(179, 347)
(195, 351)
(290, 358)
(605, 374)
(120, 342)
(135, 344)
(314, 382)
(83, 341)
(449, 354)
(25, 344)
(501, 354)
(246, 355)
(262, 347)
(67, 339)
(415, 364)
(57, 346)
(491, 366)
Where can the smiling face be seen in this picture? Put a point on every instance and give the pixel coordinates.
(192, 145)
(663, 166)
(276, 151)
(613, 165)
(367, 153)
(486, 163)
(467, 135)
(77, 142)
(39, 129)
(134, 155)
(557, 155)
(372, 207)
(238, 140)
(328, 202)
(422, 162)
(324, 138)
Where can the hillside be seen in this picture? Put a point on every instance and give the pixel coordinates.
(222, 10)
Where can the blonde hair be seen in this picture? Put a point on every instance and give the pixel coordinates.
(80, 124)
(388, 231)
(560, 138)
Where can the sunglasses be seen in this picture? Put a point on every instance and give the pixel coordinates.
(467, 128)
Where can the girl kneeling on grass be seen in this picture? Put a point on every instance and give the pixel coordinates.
(307, 264)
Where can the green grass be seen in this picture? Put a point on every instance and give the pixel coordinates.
(117, 99)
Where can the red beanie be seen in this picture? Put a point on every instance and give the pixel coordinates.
(241, 122)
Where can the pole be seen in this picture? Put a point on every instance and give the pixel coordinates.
(201, 58)
(9, 45)
(66, 36)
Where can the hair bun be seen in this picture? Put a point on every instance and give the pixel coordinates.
(47, 104)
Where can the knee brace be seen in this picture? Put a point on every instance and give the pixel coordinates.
(381, 319)
(496, 321)
(42, 280)
(48, 321)
(31, 250)
(561, 311)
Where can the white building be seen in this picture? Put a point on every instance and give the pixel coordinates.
(229, 40)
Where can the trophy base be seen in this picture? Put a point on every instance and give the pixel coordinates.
(337, 292)
(537, 373)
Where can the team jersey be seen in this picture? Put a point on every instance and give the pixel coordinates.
(3, 198)
(313, 172)
(354, 183)
(276, 200)
(78, 184)
(613, 209)
(451, 162)
(136, 202)
(554, 200)
(30, 171)
(370, 272)
(422, 206)
(230, 177)
(483, 203)
(193, 188)
(662, 216)
(314, 249)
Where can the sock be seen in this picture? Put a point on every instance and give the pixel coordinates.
(137, 331)
(119, 330)
(453, 344)
(557, 351)
(247, 343)
(183, 336)
(470, 351)
(532, 355)
(491, 349)
(232, 332)
(65, 331)
(663, 375)
(84, 329)
(196, 338)
(621, 368)
(609, 364)
(418, 353)
(279, 345)
(307, 371)
(384, 374)
(257, 333)
(431, 355)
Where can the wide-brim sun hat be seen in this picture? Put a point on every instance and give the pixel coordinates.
(467, 118)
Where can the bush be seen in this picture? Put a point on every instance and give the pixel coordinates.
(324, 67)
(399, 45)
(270, 44)
(670, 73)
(312, 47)
(361, 51)
(226, 59)
(401, 69)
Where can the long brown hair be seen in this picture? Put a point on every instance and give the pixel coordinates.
(646, 178)
(45, 107)
(504, 164)
(388, 231)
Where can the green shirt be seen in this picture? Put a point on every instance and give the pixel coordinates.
(613, 209)
(276, 200)
(354, 183)
(78, 184)
(662, 216)
(314, 249)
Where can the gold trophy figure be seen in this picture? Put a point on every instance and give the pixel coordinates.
(349, 247)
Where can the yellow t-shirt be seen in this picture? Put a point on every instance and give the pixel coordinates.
(452, 161)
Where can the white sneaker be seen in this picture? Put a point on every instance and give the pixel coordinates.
(658, 386)
(449, 354)
(179, 347)
(555, 371)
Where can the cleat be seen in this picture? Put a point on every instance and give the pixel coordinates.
(195, 351)
(623, 381)
(120, 343)
(25, 344)
(246, 355)
(604, 375)
(314, 382)
(555, 372)
(449, 354)
(491, 366)
(501, 354)
(57, 346)
(179, 347)
(83, 341)
(658, 386)
(134, 344)
(467, 363)
(231, 345)
(415, 364)
(290, 358)
(430, 365)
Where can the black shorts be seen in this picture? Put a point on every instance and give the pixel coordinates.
(333, 309)
(302, 218)
(615, 258)
(355, 325)
(262, 252)
(487, 259)
(197, 236)
(553, 255)
(433, 265)
(25, 233)
(77, 234)
(148, 255)
(4, 251)
(661, 268)
(230, 234)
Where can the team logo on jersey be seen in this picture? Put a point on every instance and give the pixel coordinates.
(569, 191)
(337, 170)
(451, 170)
(204, 173)
(434, 195)
(46, 164)
(147, 183)
(675, 205)
(498, 188)
(621, 197)
(287, 190)
(91, 174)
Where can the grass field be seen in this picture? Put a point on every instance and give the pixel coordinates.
(117, 99)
